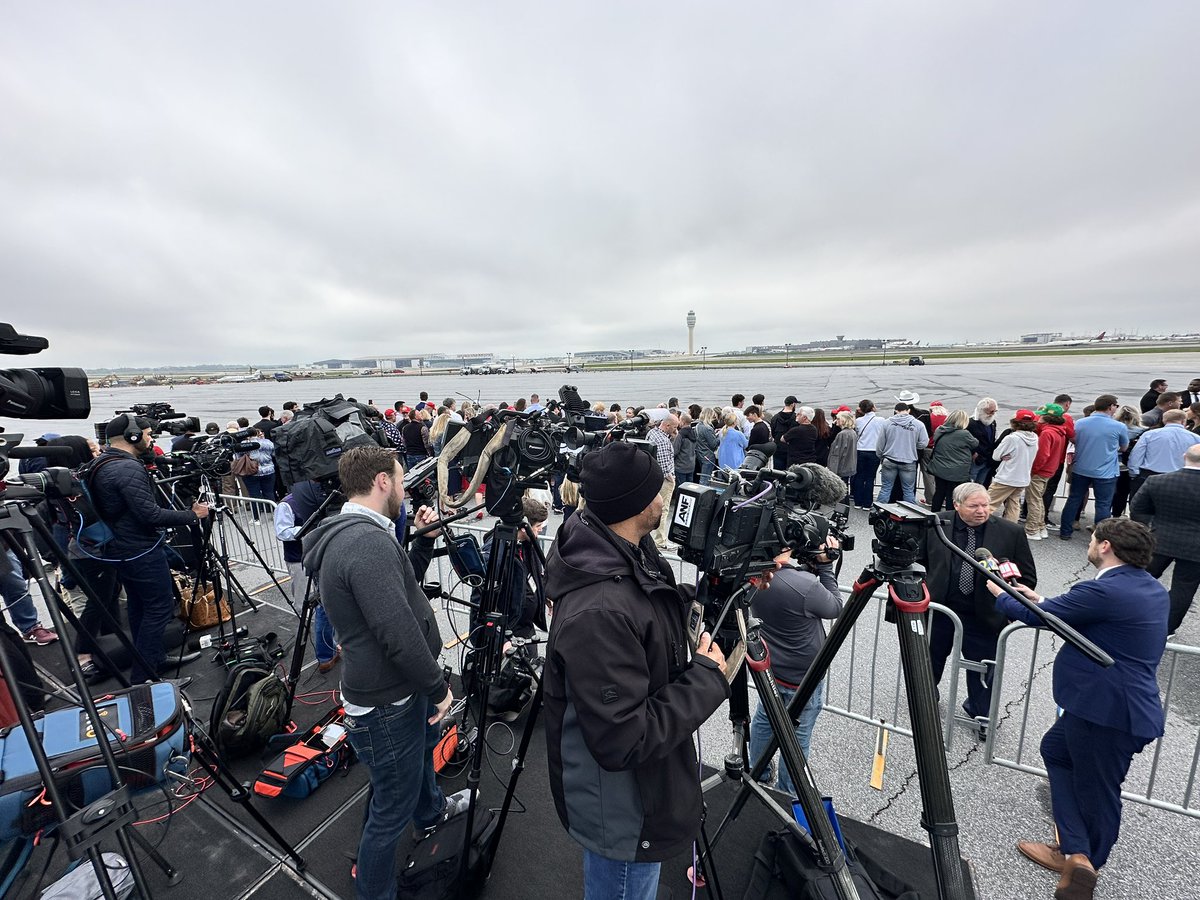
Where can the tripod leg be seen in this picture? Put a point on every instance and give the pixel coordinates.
(842, 627)
(910, 598)
(829, 853)
(706, 865)
(173, 875)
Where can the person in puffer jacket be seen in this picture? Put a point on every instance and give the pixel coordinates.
(1015, 453)
(624, 692)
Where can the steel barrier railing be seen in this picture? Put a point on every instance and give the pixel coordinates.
(256, 517)
(1146, 768)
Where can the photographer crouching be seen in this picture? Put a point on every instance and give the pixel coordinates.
(622, 696)
(791, 608)
(123, 493)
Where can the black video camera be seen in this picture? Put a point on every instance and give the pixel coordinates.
(162, 417)
(737, 526)
(39, 393)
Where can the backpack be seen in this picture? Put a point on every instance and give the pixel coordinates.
(244, 466)
(308, 447)
(250, 708)
(92, 534)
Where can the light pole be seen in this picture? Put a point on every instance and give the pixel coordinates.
(787, 356)
(630, 360)
(704, 358)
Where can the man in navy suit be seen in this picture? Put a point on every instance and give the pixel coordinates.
(1109, 714)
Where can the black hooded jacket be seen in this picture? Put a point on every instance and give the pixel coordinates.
(622, 696)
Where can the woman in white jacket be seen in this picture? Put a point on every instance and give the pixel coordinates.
(1015, 454)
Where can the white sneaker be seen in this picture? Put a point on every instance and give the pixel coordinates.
(1035, 537)
(1044, 533)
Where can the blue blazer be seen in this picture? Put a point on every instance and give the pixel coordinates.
(1125, 613)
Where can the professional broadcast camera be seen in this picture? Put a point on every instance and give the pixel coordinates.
(162, 417)
(736, 526)
(309, 446)
(213, 454)
(39, 393)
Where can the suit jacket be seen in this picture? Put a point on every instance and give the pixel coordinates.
(1170, 505)
(1005, 539)
(1124, 612)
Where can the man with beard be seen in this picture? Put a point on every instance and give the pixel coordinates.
(1108, 715)
(393, 689)
(983, 426)
(781, 423)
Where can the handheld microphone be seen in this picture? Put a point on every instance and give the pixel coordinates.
(1009, 571)
(984, 557)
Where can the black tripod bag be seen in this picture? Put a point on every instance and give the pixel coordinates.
(250, 708)
(432, 867)
(785, 870)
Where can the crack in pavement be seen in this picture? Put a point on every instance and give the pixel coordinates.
(892, 799)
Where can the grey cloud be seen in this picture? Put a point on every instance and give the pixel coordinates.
(259, 182)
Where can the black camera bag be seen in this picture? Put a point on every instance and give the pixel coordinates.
(309, 446)
(431, 868)
(785, 870)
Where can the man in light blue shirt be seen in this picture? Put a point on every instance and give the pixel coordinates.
(1160, 450)
(1098, 439)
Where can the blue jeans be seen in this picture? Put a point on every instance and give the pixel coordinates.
(613, 879)
(706, 468)
(15, 591)
(260, 487)
(150, 602)
(862, 484)
(324, 640)
(396, 744)
(981, 472)
(414, 459)
(890, 471)
(760, 731)
(1102, 488)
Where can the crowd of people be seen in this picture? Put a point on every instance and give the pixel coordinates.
(617, 731)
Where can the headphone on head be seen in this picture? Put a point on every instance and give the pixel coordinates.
(132, 433)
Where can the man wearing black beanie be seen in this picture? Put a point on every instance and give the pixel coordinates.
(623, 691)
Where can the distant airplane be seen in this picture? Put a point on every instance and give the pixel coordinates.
(1076, 342)
(256, 375)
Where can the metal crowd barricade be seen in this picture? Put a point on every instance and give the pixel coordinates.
(257, 518)
(883, 701)
(1148, 767)
(879, 703)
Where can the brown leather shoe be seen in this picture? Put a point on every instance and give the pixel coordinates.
(1078, 880)
(324, 667)
(1048, 856)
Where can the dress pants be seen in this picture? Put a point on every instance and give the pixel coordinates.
(862, 485)
(978, 643)
(1185, 579)
(1087, 764)
(664, 523)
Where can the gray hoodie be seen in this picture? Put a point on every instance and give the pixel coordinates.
(382, 618)
(900, 439)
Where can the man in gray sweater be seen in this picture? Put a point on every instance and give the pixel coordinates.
(393, 689)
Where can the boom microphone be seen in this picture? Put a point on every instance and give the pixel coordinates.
(48, 452)
(824, 487)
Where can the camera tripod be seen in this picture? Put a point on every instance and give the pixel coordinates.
(896, 547)
(20, 523)
(481, 670)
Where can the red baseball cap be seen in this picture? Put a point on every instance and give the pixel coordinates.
(1025, 415)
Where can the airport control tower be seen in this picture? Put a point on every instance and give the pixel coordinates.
(691, 320)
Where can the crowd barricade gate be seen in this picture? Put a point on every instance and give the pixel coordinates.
(1147, 766)
(260, 531)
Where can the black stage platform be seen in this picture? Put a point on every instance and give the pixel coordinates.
(221, 852)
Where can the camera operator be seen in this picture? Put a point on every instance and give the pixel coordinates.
(791, 608)
(296, 508)
(124, 495)
(622, 695)
(393, 689)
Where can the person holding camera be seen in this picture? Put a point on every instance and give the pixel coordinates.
(124, 496)
(623, 695)
(791, 608)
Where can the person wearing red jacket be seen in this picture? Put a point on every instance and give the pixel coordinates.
(1053, 437)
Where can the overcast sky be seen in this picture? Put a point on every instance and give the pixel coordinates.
(270, 182)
